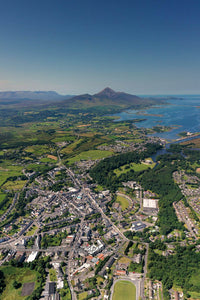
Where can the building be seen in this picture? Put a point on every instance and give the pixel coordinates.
(120, 273)
(32, 256)
(50, 291)
(150, 203)
(138, 226)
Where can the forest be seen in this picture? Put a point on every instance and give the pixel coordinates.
(179, 269)
(159, 179)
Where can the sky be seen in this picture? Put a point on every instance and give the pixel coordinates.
(83, 46)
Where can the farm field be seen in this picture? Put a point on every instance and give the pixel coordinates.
(90, 155)
(14, 185)
(21, 275)
(69, 149)
(8, 170)
(124, 290)
(48, 159)
(39, 150)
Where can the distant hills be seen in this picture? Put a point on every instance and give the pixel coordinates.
(105, 100)
(16, 96)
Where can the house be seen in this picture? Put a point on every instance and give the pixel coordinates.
(120, 273)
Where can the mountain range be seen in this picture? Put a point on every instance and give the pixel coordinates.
(107, 99)
(29, 95)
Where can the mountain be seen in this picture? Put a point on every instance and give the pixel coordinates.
(117, 96)
(108, 98)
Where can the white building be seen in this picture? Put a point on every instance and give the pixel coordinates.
(150, 203)
(32, 256)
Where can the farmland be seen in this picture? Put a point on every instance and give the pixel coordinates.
(90, 155)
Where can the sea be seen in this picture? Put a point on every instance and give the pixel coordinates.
(182, 113)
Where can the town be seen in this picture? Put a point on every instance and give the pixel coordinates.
(91, 234)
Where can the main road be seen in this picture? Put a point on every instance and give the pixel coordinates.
(86, 192)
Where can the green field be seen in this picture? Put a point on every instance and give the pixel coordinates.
(8, 170)
(90, 155)
(31, 231)
(47, 160)
(123, 202)
(82, 296)
(14, 185)
(136, 167)
(38, 149)
(2, 197)
(194, 280)
(69, 149)
(52, 274)
(124, 290)
(21, 275)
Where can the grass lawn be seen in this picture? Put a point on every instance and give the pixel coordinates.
(90, 155)
(21, 275)
(194, 295)
(123, 202)
(124, 260)
(32, 230)
(124, 290)
(82, 296)
(136, 167)
(52, 274)
(99, 280)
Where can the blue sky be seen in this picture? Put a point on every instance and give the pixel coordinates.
(79, 46)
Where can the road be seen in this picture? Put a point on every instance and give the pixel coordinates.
(87, 193)
(104, 216)
(70, 258)
(145, 271)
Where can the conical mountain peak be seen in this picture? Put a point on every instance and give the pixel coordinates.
(107, 92)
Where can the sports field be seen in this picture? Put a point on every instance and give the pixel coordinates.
(124, 290)
(123, 202)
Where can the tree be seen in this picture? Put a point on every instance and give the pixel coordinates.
(16, 284)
